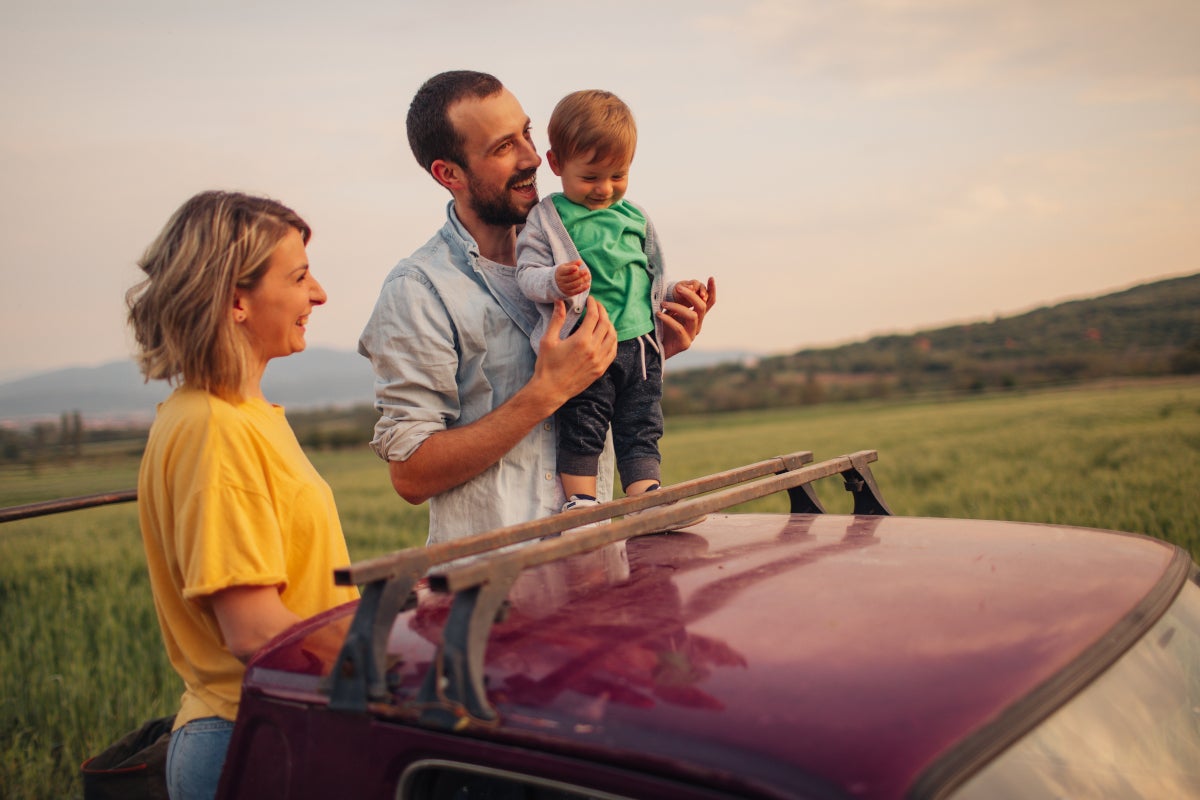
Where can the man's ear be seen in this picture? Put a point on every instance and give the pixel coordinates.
(552, 160)
(448, 174)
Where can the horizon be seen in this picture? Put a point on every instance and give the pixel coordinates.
(708, 354)
(844, 172)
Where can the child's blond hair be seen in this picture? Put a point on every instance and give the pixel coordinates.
(592, 122)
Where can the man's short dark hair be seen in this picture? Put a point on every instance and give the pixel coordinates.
(430, 134)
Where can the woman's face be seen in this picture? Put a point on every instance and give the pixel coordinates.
(276, 310)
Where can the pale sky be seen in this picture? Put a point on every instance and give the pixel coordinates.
(842, 168)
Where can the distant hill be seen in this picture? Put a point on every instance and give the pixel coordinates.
(1151, 329)
(317, 378)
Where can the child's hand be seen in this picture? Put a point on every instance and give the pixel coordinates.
(572, 278)
(699, 288)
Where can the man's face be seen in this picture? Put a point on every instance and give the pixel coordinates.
(502, 162)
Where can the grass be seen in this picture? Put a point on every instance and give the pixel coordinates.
(81, 660)
(1120, 457)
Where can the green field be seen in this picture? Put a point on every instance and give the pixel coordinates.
(80, 656)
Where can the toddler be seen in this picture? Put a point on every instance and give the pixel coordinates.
(590, 239)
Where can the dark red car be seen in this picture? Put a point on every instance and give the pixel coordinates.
(804, 655)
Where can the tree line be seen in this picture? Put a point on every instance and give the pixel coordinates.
(1151, 330)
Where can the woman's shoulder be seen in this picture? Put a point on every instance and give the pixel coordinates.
(201, 413)
(196, 404)
(185, 406)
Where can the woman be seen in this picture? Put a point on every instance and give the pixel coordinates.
(241, 533)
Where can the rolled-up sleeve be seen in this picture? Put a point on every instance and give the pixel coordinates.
(412, 345)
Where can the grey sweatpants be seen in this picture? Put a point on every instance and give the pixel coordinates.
(631, 402)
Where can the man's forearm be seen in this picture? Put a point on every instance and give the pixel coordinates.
(454, 456)
(564, 368)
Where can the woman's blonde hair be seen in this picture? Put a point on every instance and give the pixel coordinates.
(182, 313)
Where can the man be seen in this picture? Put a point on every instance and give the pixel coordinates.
(465, 404)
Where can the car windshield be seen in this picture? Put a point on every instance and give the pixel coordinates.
(1134, 732)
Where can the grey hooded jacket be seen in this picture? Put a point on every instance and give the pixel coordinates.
(544, 244)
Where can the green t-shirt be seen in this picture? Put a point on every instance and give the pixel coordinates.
(610, 241)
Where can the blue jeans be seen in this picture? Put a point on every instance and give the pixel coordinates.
(195, 758)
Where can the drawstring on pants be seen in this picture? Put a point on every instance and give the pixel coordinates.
(642, 340)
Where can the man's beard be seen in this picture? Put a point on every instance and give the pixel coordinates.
(497, 207)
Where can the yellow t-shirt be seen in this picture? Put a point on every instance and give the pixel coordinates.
(226, 497)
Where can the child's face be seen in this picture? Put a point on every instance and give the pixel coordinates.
(594, 185)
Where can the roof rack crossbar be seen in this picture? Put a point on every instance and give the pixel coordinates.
(453, 694)
(401, 561)
(659, 518)
(359, 674)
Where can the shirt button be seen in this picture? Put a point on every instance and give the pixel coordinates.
(546, 426)
(549, 476)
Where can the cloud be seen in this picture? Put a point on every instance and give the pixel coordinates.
(981, 204)
(864, 149)
(1118, 51)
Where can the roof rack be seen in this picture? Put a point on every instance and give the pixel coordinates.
(479, 571)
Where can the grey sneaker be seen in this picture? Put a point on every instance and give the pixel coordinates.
(579, 501)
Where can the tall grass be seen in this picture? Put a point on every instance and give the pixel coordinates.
(1119, 457)
(81, 660)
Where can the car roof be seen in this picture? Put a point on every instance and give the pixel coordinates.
(847, 653)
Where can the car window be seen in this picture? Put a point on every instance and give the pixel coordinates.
(441, 780)
(1134, 732)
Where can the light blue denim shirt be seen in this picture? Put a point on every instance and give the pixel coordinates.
(449, 341)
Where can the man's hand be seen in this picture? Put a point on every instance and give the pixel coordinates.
(572, 278)
(696, 287)
(565, 367)
(683, 318)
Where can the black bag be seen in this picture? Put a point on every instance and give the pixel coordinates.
(134, 768)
